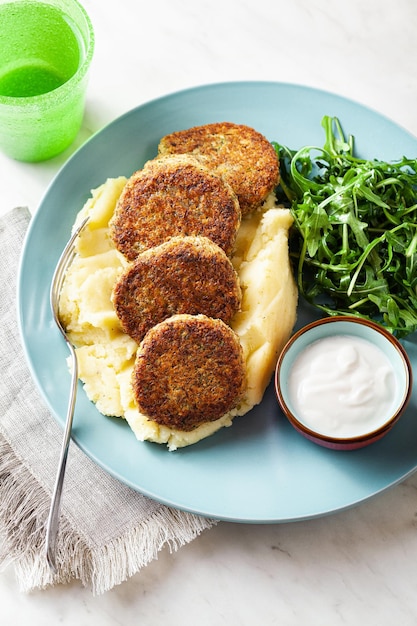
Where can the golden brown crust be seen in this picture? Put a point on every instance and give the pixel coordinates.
(189, 370)
(175, 195)
(183, 275)
(243, 156)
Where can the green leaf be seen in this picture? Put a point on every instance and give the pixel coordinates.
(354, 238)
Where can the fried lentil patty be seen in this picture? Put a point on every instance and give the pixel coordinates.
(189, 370)
(170, 196)
(243, 156)
(183, 275)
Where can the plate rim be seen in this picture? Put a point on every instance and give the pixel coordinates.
(34, 224)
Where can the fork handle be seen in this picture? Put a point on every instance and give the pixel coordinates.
(54, 512)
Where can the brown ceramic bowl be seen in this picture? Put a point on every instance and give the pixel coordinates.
(347, 330)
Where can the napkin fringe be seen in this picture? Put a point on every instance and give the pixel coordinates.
(24, 507)
(120, 559)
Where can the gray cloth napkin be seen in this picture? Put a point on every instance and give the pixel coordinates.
(108, 532)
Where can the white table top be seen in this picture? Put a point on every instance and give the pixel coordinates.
(358, 566)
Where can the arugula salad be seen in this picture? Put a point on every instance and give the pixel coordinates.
(354, 238)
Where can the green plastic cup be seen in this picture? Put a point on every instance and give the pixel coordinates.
(46, 48)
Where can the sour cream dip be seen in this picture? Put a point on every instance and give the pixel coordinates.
(342, 386)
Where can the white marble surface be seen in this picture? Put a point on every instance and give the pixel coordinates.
(355, 567)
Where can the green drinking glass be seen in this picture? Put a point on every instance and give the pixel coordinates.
(46, 48)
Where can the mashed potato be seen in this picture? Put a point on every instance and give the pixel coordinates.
(106, 354)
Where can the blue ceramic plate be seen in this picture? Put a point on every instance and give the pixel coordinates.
(260, 469)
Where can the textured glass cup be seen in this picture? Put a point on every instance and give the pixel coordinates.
(46, 49)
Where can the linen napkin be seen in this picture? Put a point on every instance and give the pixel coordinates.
(108, 531)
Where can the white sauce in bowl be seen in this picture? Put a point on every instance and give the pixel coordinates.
(342, 386)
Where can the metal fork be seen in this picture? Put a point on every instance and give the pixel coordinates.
(64, 262)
